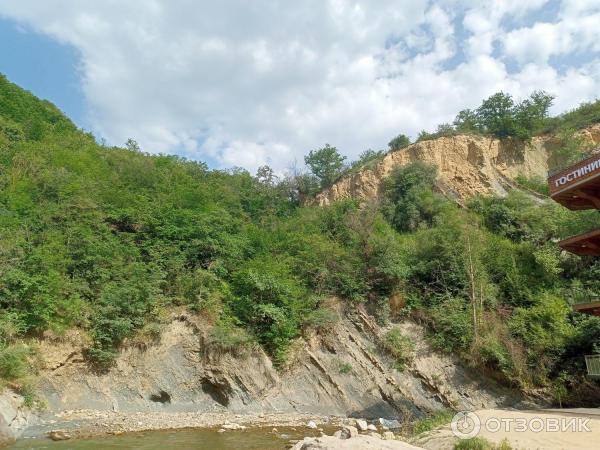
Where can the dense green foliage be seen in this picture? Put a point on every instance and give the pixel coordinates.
(501, 117)
(326, 164)
(110, 239)
(399, 142)
(400, 347)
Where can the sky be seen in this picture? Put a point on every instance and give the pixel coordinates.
(247, 83)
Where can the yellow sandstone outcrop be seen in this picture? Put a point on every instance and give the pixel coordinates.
(467, 165)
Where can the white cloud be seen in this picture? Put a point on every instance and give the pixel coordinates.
(249, 83)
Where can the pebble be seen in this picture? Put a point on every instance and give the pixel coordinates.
(311, 424)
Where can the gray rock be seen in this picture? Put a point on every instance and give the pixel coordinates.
(59, 435)
(14, 418)
(371, 427)
(182, 373)
(312, 425)
(360, 442)
(389, 424)
(348, 432)
(361, 424)
(6, 435)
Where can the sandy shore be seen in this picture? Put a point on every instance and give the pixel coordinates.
(528, 430)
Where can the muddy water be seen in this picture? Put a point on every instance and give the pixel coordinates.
(253, 439)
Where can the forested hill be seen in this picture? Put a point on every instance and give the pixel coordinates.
(109, 240)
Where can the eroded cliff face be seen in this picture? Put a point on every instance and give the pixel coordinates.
(467, 166)
(340, 372)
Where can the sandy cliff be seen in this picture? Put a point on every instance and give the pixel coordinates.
(467, 165)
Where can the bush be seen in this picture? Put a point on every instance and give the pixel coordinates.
(321, 319)
(14, 362)
(478, 443)
(399, 142)
(430, 422)
(344, 368)
(452, 326)
(225, 337)
(534, 183)
(400, 347)
(410, 202)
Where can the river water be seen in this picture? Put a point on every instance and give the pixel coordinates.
(251, 439)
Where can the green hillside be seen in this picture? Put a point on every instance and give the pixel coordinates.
(109, 240)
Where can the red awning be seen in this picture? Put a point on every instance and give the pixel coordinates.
(583, 244)
(592, 308)
(578, 186)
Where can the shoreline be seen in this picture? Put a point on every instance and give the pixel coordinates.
(82, 424)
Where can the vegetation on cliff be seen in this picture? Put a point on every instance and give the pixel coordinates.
(109, 239)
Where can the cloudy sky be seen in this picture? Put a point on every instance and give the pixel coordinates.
(246, 83)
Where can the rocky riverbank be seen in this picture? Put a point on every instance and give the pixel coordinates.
(180, 382)
(87, 423)
(348, 439)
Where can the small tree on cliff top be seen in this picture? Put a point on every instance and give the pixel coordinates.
(326, 164)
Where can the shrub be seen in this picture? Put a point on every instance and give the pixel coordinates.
(400, 347)
(344, 368)
(321, 319)
(452, 326)
(534, 183)
(478, 443)
(225, 337)
(435, 420)
(410, 202)
(399, 142)
(14, 362)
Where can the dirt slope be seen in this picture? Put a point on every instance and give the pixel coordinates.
(467, 165)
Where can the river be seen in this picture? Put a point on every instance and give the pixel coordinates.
(251, 439)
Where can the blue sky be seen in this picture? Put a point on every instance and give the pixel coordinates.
(238, 83)
(43, 66)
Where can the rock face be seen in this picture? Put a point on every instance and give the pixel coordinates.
(179, 374)
(6, 435)
(467, 165)
(14, 418)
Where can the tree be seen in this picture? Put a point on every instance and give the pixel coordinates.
(367, 156)
(326, 164)
(266, 175)
(496, 115)
(399, 142)
(466, 121)
(531, 113)
(423, 136)
(410, 202)
(477, 286)
(132, 145)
